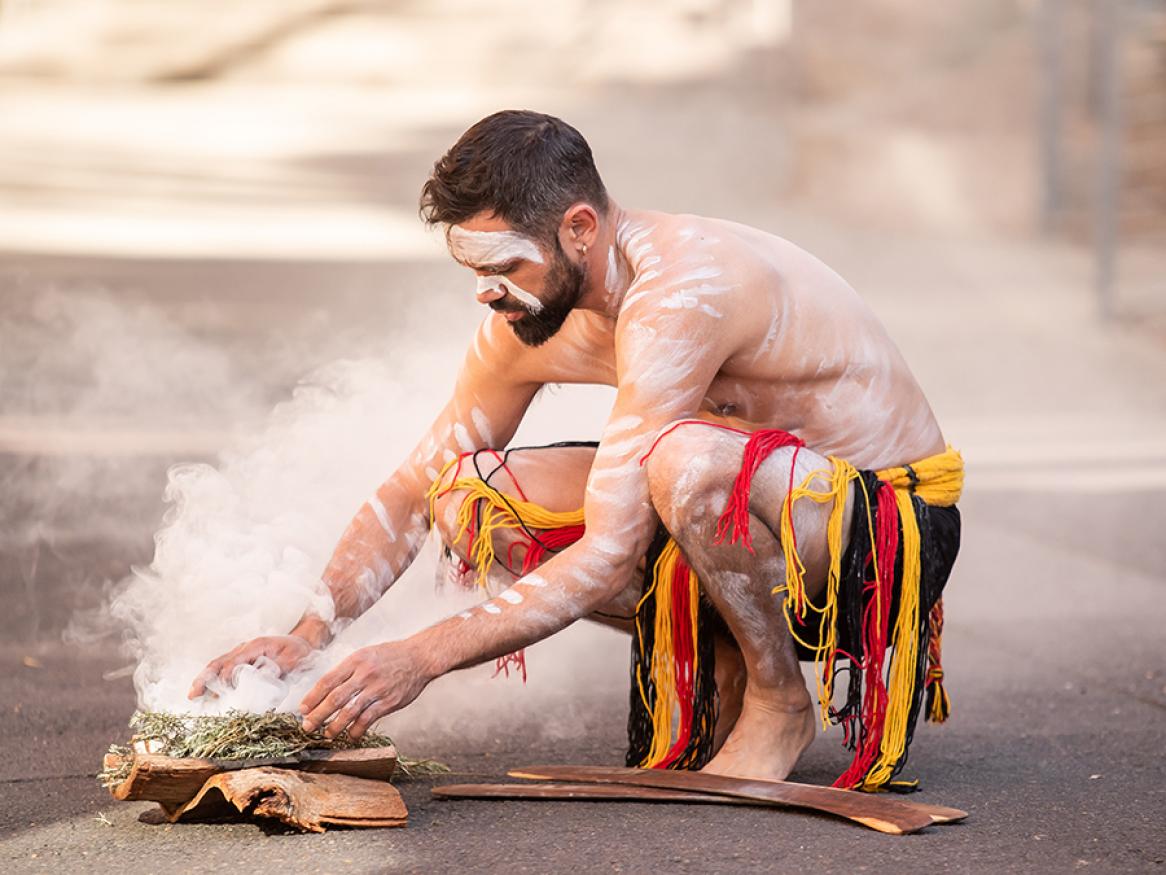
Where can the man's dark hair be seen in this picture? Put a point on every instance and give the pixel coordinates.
(525, 167)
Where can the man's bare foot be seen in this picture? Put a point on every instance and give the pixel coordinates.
(766, 742)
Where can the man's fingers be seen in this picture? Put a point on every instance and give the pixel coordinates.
(248, 653)
(198, 687)
(350, 712)
(329, 681)
(233, 660)
(326, 697)
(200, 682)
(368, 717)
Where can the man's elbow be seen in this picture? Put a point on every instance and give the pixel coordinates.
(609, 563)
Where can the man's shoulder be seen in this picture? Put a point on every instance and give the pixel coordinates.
(686, 228)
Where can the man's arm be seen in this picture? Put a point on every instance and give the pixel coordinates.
(665, 373)
(666, 364)
(489, 400)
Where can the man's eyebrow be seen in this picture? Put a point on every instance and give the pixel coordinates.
(492, 268)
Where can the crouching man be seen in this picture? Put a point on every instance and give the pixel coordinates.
(771, 484)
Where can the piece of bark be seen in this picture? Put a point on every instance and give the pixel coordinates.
(583, 792)
(173, 781)
(879, 812)
(303, 800)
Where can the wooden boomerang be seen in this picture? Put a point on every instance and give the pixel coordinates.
(893, 816)
(583, 792)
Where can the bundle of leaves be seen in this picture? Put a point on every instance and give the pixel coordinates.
(238, 735)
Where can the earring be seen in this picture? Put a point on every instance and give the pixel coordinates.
(583, 248)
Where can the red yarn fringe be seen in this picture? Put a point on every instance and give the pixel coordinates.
(684, 660)
(734, 522)
(876, 622)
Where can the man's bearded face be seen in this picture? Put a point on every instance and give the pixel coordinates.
(561, 291)
(537, 296)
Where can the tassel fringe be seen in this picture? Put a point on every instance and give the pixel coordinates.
(885, 636)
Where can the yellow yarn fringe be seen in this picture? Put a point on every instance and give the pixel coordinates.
(498, 512)
(938, 481)
(667, 705)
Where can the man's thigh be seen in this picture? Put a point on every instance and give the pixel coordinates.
(692, 474)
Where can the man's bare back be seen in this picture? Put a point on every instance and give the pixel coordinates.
(686, 317)
(842, 385)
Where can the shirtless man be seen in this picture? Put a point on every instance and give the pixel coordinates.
(686, 317)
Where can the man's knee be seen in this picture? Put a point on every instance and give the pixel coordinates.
(690, 473)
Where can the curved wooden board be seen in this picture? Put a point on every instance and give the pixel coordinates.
(938, 813)
(892, 816)
(583, 792)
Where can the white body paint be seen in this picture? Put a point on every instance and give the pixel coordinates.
(382, 517)
(482, 425)
(462, 436)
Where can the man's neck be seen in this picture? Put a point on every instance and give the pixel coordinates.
(608, 273)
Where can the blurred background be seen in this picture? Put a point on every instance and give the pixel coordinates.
(203, 202)
(210, 258)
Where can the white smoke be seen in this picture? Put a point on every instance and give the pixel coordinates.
(244, 540)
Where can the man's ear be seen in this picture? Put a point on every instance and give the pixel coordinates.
(578, 230)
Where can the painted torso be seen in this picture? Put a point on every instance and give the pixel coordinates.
(808, 355)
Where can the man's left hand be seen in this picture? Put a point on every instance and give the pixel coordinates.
(372, 682)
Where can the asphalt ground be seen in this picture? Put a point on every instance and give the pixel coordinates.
(1055, 661)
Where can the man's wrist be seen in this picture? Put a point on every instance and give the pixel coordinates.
(314, 630)
(431, 659)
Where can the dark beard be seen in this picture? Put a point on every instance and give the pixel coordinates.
(563, 289)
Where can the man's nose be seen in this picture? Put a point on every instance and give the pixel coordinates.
(489, 293)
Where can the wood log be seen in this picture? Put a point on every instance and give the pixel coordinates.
(584, 792)
(879, 812)
(303, 800)
(173, 781)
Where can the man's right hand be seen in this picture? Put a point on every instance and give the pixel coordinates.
(286, 651)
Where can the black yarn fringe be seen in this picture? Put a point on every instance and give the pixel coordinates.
(699, 749)
(939, 533)
(850, 600)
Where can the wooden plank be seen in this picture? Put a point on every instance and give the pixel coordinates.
(173, 781)
(306, 801)
(880, 812)
(583, 792)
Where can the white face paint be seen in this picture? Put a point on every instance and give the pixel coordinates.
(492, 247)
(485, 248)
(500, 283)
